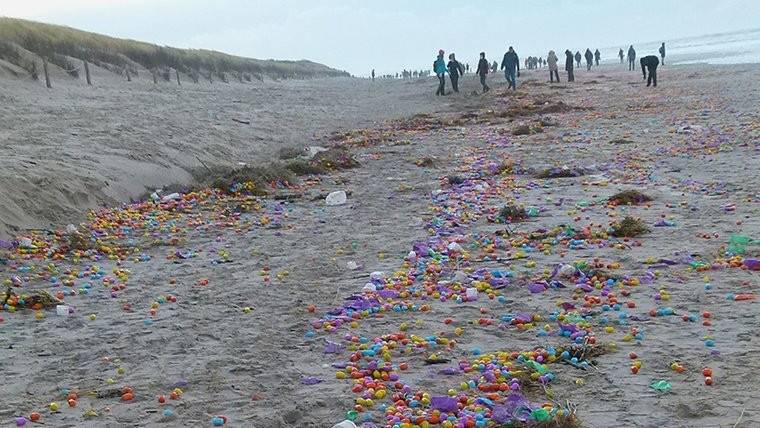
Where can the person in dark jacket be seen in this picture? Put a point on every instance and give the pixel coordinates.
(569, 65)
(578, 58)
(620, 54)
(649, 63)
(631, 58)
(455, 70)
(589, 59)
(511, 65)
(483, 71)
(662, 53)
(597, 57)
(439, 68)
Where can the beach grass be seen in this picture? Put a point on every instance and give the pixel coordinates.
(60, 44)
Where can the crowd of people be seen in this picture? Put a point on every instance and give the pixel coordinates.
(510, 64)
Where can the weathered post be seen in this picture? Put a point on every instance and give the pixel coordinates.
(177, 73)
(155, 76)
(47, 76)
(87, 72)
(129, 78)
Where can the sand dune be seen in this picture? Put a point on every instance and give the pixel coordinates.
(76, 147)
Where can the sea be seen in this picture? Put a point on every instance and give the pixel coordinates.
(736, 47)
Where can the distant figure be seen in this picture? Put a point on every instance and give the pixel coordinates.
(511, 65)
(569, 65)
(650, 63)
(597, 57)
(662, 53)
(589, 59)
(467, 67)
(552, 59)
(540, 62)
(483, 71)
(494, 67)
(439, 68)
(455, 70)
(578, 58)
(373, 74)
(620, 54)
(631, 58)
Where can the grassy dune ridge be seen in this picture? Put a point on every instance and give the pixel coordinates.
(60, 45)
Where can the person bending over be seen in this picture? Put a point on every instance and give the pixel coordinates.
(649, 63)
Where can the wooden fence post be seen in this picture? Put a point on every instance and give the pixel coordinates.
(47, 76)
(129, 78)
(87, 73)
(177, 73)
(155, 76)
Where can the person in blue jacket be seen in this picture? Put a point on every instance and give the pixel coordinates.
(511, 65)
(439, 68)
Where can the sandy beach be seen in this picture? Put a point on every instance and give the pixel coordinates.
(282, 311)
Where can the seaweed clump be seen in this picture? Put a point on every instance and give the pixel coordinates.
(629, 227)
(512, 213)
(629, 197)
(563, 172)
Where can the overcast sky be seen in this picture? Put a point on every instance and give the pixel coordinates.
(388, 35)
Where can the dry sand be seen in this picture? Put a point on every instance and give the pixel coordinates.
(692, 145)
(75, 147)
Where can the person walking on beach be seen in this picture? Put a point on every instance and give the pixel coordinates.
(483, 71)
(578, 58)
(620, 54)
(662, 53)
(511, 65)
(455, 70)
(552, 59)
(597, 57)
(569, 65)
(631, 58)
(589, 59)
(649, 63)
(439, 68)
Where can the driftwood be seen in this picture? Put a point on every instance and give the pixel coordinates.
(244, 122)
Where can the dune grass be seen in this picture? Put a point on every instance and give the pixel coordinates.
(58, 43)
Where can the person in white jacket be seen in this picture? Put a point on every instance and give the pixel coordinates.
(551, 60)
